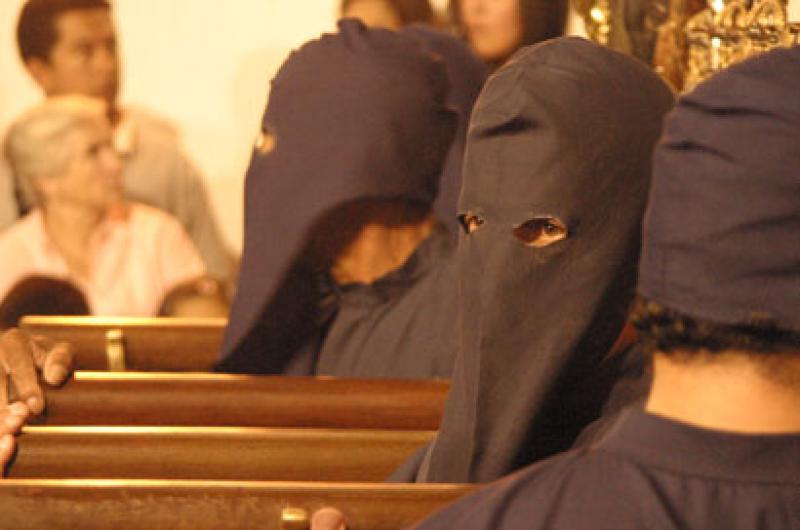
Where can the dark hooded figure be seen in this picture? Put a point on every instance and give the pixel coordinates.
(555, 182)
(717, 445)
(466, 74)
(338, 195)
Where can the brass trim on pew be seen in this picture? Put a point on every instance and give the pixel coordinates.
(88, 321)
(115, 350)
(205, 505)
(295, 519)
(145, 344)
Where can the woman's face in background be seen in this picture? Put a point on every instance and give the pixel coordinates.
(493, 27)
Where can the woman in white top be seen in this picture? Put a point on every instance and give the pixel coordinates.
(124, 256)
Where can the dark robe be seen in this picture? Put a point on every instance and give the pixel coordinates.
(647, 472)
(402, 326)
(566, 129)
(360, 114)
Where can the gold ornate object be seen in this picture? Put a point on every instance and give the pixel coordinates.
(632, 26)
(597, 20)
(688, 40)
(670, 54)
(294, 519)
(115, 350)
(729, 31)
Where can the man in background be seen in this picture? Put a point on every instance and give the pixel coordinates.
(69, 47)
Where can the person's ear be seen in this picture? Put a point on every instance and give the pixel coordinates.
(41, 72)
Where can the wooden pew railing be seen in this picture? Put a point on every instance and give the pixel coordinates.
(144, 344)
(107, 398)
(209, 441)
(214, 453)
(203, 505)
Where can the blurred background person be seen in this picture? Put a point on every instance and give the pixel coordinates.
(123, 255)
(70, 47)
(41, 295)
(495, 29)
(390, 14)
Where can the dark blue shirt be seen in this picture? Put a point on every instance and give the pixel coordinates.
(647, 472)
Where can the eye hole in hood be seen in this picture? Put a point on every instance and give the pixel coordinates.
(470, 222)
(265, 142)
(541, 232)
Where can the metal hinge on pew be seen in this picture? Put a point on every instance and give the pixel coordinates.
(115, 350)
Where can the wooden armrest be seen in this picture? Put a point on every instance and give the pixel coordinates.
(104, 398)
(207, 505)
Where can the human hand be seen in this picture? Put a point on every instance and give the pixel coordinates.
(21, 357)
(328, 518)
(12, 418)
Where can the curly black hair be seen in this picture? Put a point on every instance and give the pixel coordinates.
(41, 295)
(667, 331)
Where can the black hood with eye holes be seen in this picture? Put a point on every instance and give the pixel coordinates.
(566, 129)
(357, 114)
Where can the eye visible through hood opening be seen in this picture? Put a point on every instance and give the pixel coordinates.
(470, 222)
(541, 232)
(265, 142)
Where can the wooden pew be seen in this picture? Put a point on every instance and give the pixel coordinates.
(214, 453)
(199, 505)
(129, 398)
(145, 344)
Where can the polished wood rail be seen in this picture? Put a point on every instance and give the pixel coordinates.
(145, 344)
(221, 453)
(205, 505)
(183, 399)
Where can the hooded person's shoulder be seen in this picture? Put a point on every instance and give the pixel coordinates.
(580, 489)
